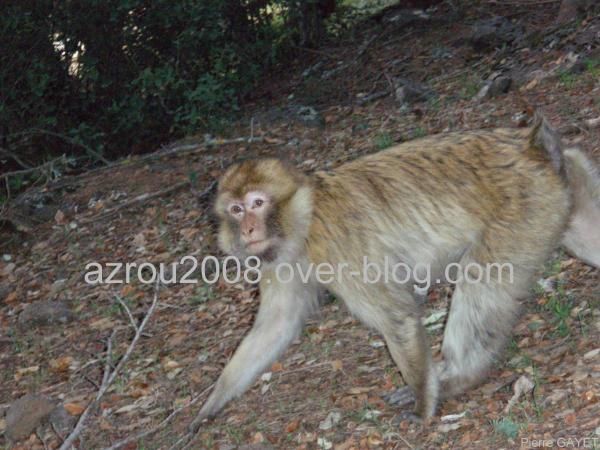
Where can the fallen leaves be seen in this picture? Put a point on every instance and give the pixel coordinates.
(74, 409)
(24, 371)
(292, 426)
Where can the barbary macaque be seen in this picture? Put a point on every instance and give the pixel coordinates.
(477, 197)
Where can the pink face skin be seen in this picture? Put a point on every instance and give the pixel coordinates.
(251, 214)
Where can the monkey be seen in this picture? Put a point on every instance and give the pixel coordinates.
(474, 197)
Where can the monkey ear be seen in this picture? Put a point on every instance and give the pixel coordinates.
(298, 214)
(544, 138)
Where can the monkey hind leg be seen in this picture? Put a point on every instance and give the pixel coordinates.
(582, 238)
(480, 322)
(496, 273)
(407, 342)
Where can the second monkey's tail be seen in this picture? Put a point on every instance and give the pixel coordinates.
(582, 237)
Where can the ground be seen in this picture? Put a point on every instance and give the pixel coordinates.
(327, 390)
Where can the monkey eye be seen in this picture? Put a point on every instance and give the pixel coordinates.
(236, 209)
(258, 203)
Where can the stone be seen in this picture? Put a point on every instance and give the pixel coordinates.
(410, 92)
(61, 420)
(495, 87)
(4, 291)
(495, 32)
(309, 116)
(26, 414)
(44, 312)
(571, 9)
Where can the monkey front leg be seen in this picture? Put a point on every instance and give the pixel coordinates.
(283, 310)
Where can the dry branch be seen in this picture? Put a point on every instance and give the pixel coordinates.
(61, 159)
(136, 201)
(149, 196)
(109, 376)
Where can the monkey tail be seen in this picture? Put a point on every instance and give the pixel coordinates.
(582, 237)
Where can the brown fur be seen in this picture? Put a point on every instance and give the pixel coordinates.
(498, 196)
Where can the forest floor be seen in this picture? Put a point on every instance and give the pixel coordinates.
(327, 390)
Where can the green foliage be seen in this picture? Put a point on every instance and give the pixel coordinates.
(560, 305)
(592, 65)
(115, 76)
(506, 427)
(202, 295)
(383, 140)
(468, 86)
(568, 79)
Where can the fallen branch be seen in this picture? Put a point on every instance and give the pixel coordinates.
(14, 157)
(128, 311)
(136, 201)
(70, 140)
(48, 165)
(210, 142)
(149, 196)
(109, 376)
(179, 150)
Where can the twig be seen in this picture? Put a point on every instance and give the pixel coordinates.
(71, 141)
(211, 141)
(15, 158)
(128, 311)
(161, 425)
(34, 169)
(202, 194)
(404, 441)
(107, 364)
(109, 378)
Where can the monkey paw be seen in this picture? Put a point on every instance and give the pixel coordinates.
(400, 397)
(409, 416)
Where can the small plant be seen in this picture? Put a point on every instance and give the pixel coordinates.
(567, 79)
(235, 434)
(553, 267)
(419, 132)
(202, 295)
(506, 426)
(560, 305)
(383, 140)
(469, 88)
(592, 65)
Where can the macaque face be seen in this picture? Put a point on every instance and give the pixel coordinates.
(250, 216)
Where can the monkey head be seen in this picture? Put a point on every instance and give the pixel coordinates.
(264, 207)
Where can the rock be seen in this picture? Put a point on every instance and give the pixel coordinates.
(309, 116)
(547, 285)
(410, 92)
(492, 88)
(332, 419)
(45, 313)
(25, 415)
(4, 291)
(591, 354)
(520, 119)
(61, 420)
(495, 32)
(570, 9)
(500, 85)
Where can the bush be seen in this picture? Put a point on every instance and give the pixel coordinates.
(116, 76)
